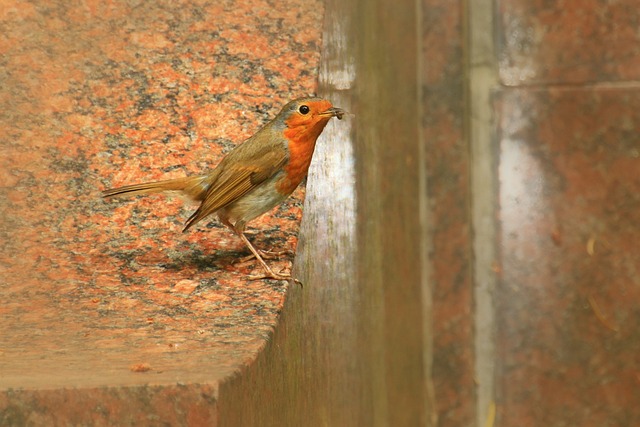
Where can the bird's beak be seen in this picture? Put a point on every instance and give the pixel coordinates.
(334, 112)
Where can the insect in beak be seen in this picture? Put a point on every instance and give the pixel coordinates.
(334, 112)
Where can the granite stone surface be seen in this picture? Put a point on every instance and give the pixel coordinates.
(568, 221)
(569, 215)
(586, 42)
(449, 238)
(101, 293)
(110, 314)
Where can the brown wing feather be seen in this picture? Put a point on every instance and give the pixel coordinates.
(241, 171)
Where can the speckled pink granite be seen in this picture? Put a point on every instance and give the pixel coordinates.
(568, 219)
(101, 94)
(556, 43)
(568, 341)
(108, 312)
(448, 169)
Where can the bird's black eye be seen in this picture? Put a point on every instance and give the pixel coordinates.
(304, 109)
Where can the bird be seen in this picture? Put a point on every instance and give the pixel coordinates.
(256, 176)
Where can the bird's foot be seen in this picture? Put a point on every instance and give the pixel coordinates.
(270, 274)
(266, 255)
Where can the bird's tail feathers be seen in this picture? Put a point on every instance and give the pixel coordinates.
(194, 187)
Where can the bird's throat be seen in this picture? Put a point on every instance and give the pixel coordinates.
(301, 144)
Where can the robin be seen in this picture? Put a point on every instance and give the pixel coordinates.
(255, 176)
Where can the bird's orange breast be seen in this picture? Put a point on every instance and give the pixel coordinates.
(301, 144)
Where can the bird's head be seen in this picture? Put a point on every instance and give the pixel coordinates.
(305, 118)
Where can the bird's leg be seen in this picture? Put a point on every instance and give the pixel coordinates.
(275, 254)
(267, 254)
(269, 273)
(264, 254)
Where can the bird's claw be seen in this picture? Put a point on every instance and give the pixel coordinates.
(266, 255)
(276, 276)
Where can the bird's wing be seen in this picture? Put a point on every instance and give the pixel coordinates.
(241, 171)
